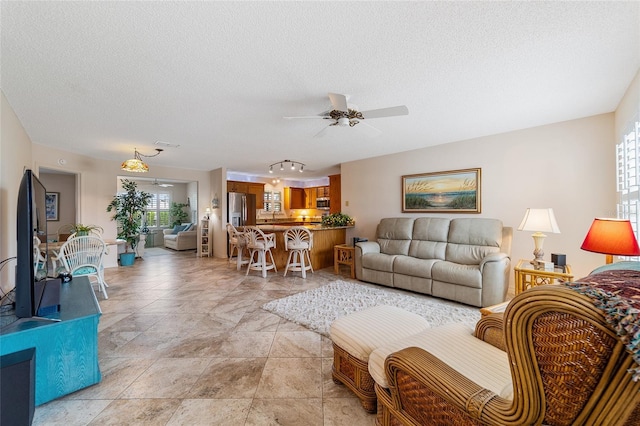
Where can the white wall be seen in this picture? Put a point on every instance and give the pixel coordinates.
(15, 157)
(568, 166)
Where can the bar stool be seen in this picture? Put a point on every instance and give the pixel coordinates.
(259, 245)
(298, 241)
(237, 243)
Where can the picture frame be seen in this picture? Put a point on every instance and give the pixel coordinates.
(52, 206)
(453, 191)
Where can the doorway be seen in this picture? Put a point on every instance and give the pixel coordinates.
(64, 188)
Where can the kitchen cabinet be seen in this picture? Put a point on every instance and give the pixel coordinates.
(294, 198)
(322, 192)
(248, 188)
(310, 197)
(235, 186)
(335, 192)
(258, 190)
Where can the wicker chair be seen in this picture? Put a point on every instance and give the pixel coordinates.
(567, 365)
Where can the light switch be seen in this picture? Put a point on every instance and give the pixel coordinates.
(346, 203)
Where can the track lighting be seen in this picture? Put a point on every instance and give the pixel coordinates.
(293, 165)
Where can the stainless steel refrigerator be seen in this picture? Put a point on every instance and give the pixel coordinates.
(241, 209)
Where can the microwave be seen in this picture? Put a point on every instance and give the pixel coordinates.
(322, 203)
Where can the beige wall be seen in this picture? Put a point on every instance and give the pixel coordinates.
(65, 185)
(567, 166)
(15, 157)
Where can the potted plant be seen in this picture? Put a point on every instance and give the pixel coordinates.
(81, 229)
(177, 214)
(128, 208)
(337, 219)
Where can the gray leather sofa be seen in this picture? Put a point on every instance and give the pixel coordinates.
(466, 260)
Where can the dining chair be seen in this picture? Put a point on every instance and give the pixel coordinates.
(83, 256)
(298, 241)
(260, 245)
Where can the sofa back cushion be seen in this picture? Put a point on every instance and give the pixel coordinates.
(471, 239)
(429, 238)
(394, 235)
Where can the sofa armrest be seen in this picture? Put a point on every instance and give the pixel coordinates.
(495, 278)
(490, 329)
(494, 257)
(421, 386)
(368, 247)
(362, 248)
(167, 231)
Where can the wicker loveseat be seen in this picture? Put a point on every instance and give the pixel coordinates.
(465, 260)
(567, 364)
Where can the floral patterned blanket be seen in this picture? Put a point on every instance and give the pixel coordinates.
(617, 293)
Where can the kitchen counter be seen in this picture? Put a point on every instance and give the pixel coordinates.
(324, 239)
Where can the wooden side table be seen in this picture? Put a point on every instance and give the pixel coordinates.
(528, 276)
(343, 254)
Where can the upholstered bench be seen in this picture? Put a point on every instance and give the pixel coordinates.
(356, 335)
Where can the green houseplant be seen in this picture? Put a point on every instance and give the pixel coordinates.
(337, 219)
(177, 214)
(128, 208)
(81, 229)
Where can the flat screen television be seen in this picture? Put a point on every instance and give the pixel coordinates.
(32, 222)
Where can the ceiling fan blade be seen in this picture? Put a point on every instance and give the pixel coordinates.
(367, 129)
(339, 102)
(308, 116)
(386, 112)
(322, 132)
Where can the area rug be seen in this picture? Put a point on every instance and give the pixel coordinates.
(316, 309)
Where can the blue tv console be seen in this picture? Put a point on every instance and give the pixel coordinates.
(67, 350)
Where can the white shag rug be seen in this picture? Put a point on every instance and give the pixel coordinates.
(316, 309)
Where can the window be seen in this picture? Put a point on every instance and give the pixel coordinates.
(628, 175)
(157, 214)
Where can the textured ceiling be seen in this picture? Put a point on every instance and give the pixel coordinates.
(100, 78)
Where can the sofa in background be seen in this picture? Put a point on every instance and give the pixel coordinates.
(466, 260)
(178, 239)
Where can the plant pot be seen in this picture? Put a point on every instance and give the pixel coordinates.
(127, 259)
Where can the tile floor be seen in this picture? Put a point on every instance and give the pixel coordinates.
(183, 341)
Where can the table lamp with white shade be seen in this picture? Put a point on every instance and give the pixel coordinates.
(539, 221)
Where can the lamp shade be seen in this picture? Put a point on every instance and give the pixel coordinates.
(539, 220)
(134, 165)
(612, 237)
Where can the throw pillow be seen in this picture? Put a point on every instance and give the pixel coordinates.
(187, 226)
(177, 228)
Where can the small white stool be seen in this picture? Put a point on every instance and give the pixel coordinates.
(356, 335)
(298, 241)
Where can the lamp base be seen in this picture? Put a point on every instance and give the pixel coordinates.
(538, 253)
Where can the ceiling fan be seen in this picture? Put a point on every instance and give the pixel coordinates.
(347, 115)
(163, 185)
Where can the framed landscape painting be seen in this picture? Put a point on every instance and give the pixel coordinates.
(52, 205)
(455, 191)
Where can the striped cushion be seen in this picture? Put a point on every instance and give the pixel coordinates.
(363, 331)
(455, 345)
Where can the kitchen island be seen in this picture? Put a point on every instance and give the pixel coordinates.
(324, 239)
